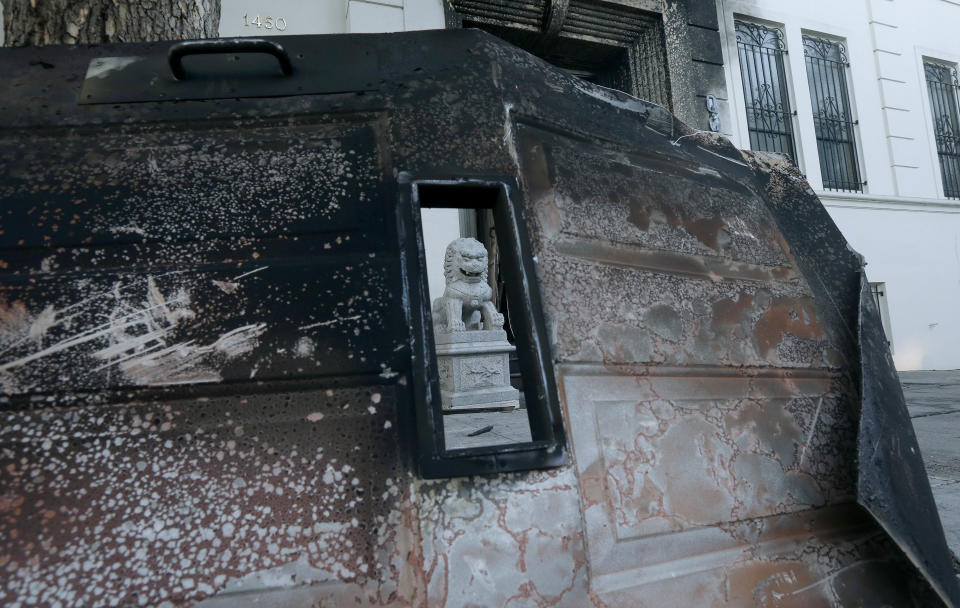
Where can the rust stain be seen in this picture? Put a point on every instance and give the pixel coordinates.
(788, 584)
(732, 312)
(14, 317)
(639, 216)
(709, 231)
(796, 317)
(593, 484)
(654, 207)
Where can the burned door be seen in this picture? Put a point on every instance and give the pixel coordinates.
(200, 338)
(219, 383)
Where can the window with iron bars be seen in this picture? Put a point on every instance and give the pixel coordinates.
(944, 88)
(835, 127)
(769, 117)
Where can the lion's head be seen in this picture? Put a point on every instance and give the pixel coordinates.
(465, 262)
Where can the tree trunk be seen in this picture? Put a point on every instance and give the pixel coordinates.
(36, 22)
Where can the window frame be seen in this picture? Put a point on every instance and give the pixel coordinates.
(954, 68)
(851, 121)
(548, 446)
(785, 76)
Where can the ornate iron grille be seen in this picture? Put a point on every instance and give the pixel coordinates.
(769, 118)
(836, 137)
(944, 87)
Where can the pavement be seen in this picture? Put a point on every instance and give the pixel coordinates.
(508, 427)
(933, 400)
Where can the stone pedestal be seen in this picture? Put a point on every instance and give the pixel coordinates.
(474, 371)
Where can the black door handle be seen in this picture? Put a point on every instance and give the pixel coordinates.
(226, 45)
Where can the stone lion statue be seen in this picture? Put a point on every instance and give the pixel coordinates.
(465, 304)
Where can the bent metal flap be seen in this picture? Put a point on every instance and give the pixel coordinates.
(219, 377)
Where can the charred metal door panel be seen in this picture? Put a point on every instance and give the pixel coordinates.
(687, 476)
(742, 435)
(712, 424)
(174, 257)
(88, 331)
(513, 539)
(201, 338)
(698, 256)
(653, 203)
(892, 483)
(188, 181)
(150, 501)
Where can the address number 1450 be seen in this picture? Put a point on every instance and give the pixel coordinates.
(267, 23)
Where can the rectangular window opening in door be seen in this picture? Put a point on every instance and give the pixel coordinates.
(485, 397)
(481, 386)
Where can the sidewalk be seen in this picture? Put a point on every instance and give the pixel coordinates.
(933, 400)
(508, 428)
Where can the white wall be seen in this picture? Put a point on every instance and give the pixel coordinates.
(919, 260)
(328, 16)
(440, 227)
(907, 231)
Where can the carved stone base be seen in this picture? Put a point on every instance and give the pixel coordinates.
(475, 371)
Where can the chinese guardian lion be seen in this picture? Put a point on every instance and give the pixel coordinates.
(466, 302)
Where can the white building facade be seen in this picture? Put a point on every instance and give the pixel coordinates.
(285, 17)
(863, 95)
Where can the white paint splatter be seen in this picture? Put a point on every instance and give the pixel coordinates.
(143, 354)
(331, 322)
(44, 321)
(226, 286)
(128, 230)
(304, 347)
(246, 274)
(103, 66)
